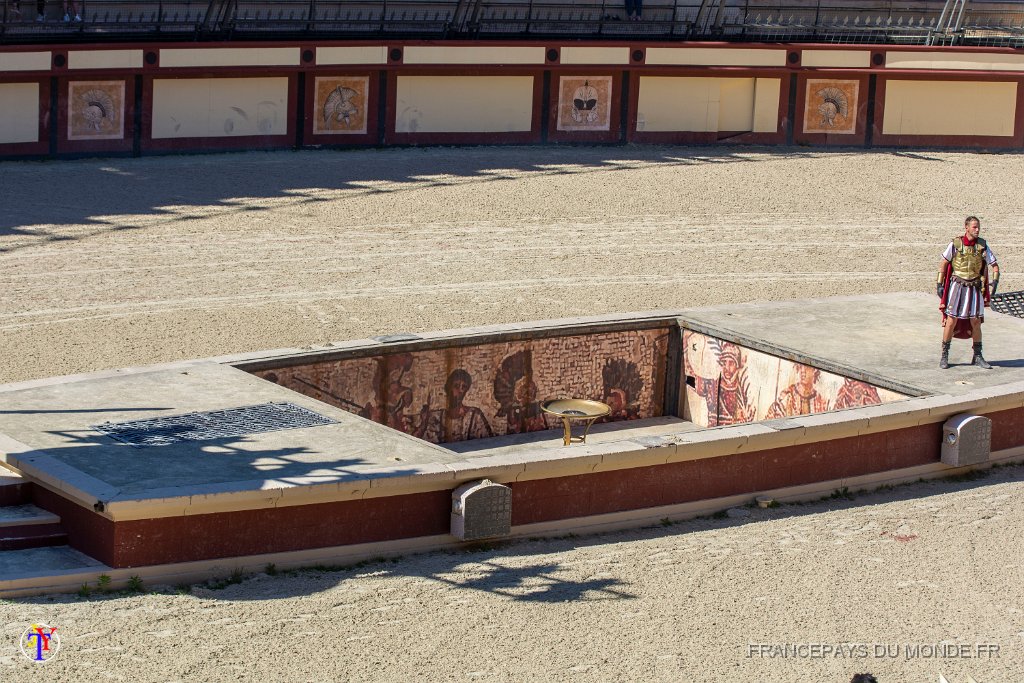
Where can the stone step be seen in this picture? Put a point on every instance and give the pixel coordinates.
(32, 536)
(27, 526)
(25, 515)
(14, 489)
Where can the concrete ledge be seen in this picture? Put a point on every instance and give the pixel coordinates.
(467, 336)
(25, 515)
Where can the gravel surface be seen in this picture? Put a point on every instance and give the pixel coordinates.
(126, 262)
(119, 262)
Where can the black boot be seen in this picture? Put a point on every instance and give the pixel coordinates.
(944, 361)
(978, 359)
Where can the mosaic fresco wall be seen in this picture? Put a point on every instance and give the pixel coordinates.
(340, 105)
(831, 106)
(728, 384)
(95, 110)
(456, 394)
(584, 103)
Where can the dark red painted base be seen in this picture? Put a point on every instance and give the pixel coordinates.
(545, 500)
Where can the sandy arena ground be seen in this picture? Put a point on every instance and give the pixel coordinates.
(117, 262)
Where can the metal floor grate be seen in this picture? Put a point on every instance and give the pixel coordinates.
(1011, 303)
(213, 424)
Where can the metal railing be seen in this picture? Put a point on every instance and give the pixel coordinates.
(925, 22)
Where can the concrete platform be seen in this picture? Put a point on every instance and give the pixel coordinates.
(887, 339)
(50, 437)
(356, 483)
(46, 562)
(46, 428)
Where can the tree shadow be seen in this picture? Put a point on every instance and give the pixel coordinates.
(533, 583)
(193, 466)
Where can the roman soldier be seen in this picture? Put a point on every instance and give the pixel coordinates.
(963, 285)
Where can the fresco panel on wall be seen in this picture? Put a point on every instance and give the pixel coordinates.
(96, 110)
(584, 103)
(339, 106)
(456, 394)
(728, 384)
(831, 106)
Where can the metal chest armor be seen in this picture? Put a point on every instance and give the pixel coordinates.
(968, 261)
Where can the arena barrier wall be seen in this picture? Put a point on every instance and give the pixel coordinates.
(614, 482)
(150, 98)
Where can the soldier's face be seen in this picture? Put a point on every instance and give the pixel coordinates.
(973, 228)
(459, 389)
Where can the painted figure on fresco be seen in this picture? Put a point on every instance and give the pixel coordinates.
(98, 109)
(728, 395)
(854, 394)
(833, 104)
(801, 397)
(622, 387)
(456, 421)
(340, 106)
(584, 103)
(392, 396)
(963, 286)
(516, 394)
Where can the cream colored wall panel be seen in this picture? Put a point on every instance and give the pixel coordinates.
(715, 56)
(464, 104)
(229, 56)
(363, 54)
(24, 61)
(219, 107)
(736, 104)
(423, 54)
(19, 112)
(854, 59)
(105, 59)
(767, 94)
(949, 108)
(595, 55)
(698, 105)
(677, 104)
(980, 61)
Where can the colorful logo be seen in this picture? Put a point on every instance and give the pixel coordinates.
(39, 643)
